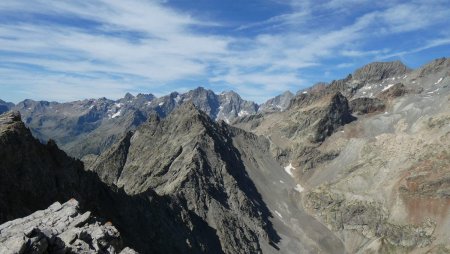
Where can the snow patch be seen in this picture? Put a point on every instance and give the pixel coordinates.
(439, 81)
(177, 99)
(243, 113)
(279, 214)
(288, 169)
(118, 105)
(91, 107)
(299, 188)
(305, 92)
(117, 114)
(161, 103)
(281, 181)
(387, 87)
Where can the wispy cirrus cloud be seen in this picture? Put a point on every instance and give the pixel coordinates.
(67, 50)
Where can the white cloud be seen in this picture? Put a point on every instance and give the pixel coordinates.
(64, 61)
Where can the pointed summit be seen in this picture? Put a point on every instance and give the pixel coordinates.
(190, 157)
(128, 96)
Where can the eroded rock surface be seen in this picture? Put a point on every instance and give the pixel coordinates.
(61, 228)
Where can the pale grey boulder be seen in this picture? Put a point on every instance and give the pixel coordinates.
(61, 228)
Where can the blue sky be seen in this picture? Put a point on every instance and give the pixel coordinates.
(68, 50)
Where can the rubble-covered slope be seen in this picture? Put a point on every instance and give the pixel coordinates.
(380, 182)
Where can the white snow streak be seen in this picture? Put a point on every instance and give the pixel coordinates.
(117, 114)
(387, 87)
(288, 169)
(298, 188)
(279, 214)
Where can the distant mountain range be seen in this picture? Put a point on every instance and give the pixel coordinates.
(89, 126)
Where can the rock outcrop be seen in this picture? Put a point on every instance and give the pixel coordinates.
(366, 105)
(61, 228)
(307, 122)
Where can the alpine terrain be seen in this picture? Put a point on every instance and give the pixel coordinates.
(358, 165)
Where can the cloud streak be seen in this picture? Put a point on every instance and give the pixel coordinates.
(66, 50)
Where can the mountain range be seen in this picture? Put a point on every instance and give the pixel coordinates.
(357, 165)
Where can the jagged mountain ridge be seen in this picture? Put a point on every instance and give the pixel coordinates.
(90, 126)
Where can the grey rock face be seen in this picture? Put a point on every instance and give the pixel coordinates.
(308, 121)
(233, 106)
(366, 105)
(337, 114)
(278, 103)
(61, 228)
(394, 91)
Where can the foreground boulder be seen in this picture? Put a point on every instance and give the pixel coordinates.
(61, 228)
